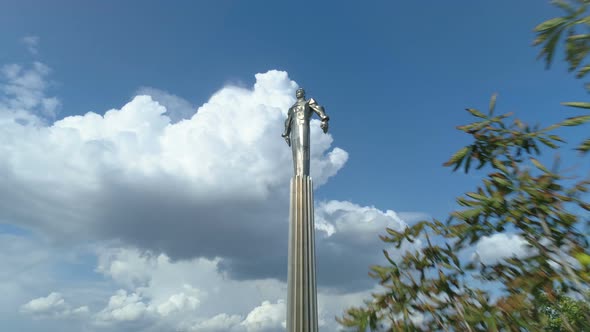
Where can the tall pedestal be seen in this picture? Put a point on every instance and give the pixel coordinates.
(302, 313)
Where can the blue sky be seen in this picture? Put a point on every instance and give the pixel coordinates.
(394, 77)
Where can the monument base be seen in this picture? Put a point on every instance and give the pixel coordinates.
(302, 313)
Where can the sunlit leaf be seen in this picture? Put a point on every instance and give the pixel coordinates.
(585, 146)
(575, 121)
(476, 113)
(577, 104)
(457, 157)
(550, 24)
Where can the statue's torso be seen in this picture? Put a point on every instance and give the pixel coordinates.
(301, 112)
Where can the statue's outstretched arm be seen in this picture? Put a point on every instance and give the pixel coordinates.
(319, 110)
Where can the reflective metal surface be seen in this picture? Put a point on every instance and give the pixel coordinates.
(302, 310)
(302, 313)
(297, 130)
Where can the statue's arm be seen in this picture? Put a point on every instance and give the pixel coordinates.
(288, 123)
(285, 135)
(319, 110)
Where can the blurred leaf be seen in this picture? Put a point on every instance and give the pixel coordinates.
(585, 146)
(583, 71)
(575, 121)
(457, 157)
(583, 258)
(550, 24)
(548, 143)
(556, 138)
(493, 104)
(467, 214)
(476, 113)
(539, 165)
(548, 50)
(577, 104)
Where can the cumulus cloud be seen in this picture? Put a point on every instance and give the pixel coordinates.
(52, 305)
(347, 242)
(218, 323)
(154, 282)
(178, 188)
(189, 208)
(266, 317)
(45, 304)
(123, 307)
(23, 94)
(491, 249)
(178, 292)
(30, 271)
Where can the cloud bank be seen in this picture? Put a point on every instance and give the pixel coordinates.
(184, 212)
(210, 186)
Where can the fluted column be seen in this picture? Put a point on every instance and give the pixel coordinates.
(302, 313)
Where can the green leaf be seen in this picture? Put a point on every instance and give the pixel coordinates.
(502, 182)
(556, 138)
(476, 113)
(585, 146)
(539, 165)
(583, 71)
(477, 196)
(549, 50)
(548, 142)
(499, 165)
(576, 120)
(583, 258)
(577, 104)
(457, 157)
(467, 214)
(579, 37)
(493, 104)
(550, 24)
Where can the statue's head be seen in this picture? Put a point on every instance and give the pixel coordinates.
(300, 93)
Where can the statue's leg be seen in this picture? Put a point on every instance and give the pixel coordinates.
(305, 160)
(296, 157)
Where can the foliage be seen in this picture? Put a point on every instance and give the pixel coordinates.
(574, 310)
(437, 286)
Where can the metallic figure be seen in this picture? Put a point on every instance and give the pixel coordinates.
(297, 130)
(302, 315)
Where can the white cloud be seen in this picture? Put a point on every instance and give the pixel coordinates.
(133, 175)
(179, 302)
(123, 307)
(190, 216)
(50, 303)
(347, 241)
(360, 223)
(218, 323)
(491, 249)
(53, 305)
(31, 43)
(22, 94)
(266, 317)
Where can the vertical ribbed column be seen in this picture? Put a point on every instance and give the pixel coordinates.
(302, 315)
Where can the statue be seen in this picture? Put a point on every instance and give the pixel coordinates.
(302, 309)
(297, 130)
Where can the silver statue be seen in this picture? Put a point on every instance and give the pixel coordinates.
(297, 130)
